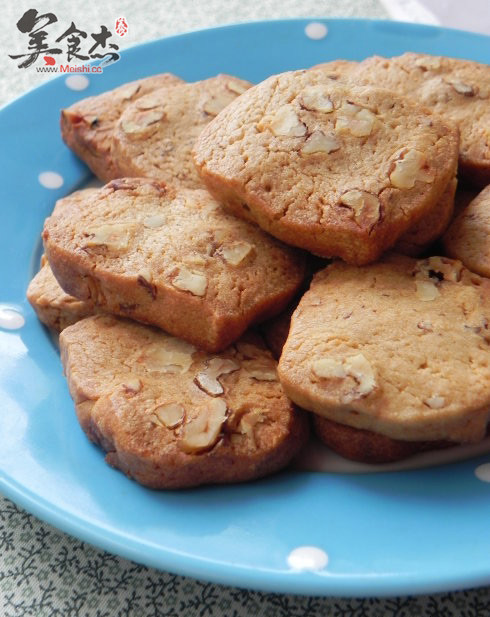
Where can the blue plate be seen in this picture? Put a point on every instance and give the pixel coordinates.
(383, 534)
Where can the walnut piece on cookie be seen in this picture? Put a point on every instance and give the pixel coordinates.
(155, 135)
(468, 237)
(171, 258)
(400, 348)
(457, 89)
(336, 169)
(138, 394)
(87, 127)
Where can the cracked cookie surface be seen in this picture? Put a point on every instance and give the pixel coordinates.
(335, 169)
(155, 135)
(173, 258)
(87, 126)
(400, 348)
(171, 416)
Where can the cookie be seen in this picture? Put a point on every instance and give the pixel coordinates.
(87, 126)
(275, 331)
(400, 348)
(368, 447)
(332, 168)
(424, 233)
(55, 308)
(468, 237)
(171, 416)
(171, 258)
(155, 135)
(458, 90)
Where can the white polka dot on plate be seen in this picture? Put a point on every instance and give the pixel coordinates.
(77, 82)
(50, 179)
(10, 319)
(482, 472)
(307, 558)
(316, 31)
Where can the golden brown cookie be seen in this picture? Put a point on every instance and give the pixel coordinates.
(335, 169)
(400, 348)
(87, 126)
(171, 258)
(171, 416)
(424, 233)
(155, 135)
(55, 308)
(367, 447)
(468, 237)
(458, 90)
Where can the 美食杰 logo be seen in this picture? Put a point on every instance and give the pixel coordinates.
(53, 47)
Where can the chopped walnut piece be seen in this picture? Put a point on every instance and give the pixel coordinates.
(364, 205)
(201, 432)
(356, 367)
(426, 290)
(208, 380)
(286, 123)
(194, 282)
(462, 88)
(114, 236)
(215, 104)
(174, 356)
(359, 121)
(319, 142)
(315, 98)
(435, 402)
(131, 386)
(235, 253)
(408, 169)
(235, 87)
(154, 221)
(170, 415)
(142, 121)
(248, 422)
(261, 369)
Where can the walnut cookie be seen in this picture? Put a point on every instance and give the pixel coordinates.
(55, 308)
(155, 135)
(457, 89)
(468, 237)
(400, 348)
(171, 416)
(171, 258)
(87, 127)
(332, 168)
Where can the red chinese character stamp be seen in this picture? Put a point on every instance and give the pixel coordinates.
(121, 26)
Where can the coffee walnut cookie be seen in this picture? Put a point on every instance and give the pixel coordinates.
(400, 348)
(456, 89)
(171, 258)
(87, 127)
(155, 135)
(339, 170)
(171, 416)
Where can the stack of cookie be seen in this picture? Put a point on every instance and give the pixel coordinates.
(222, 197)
